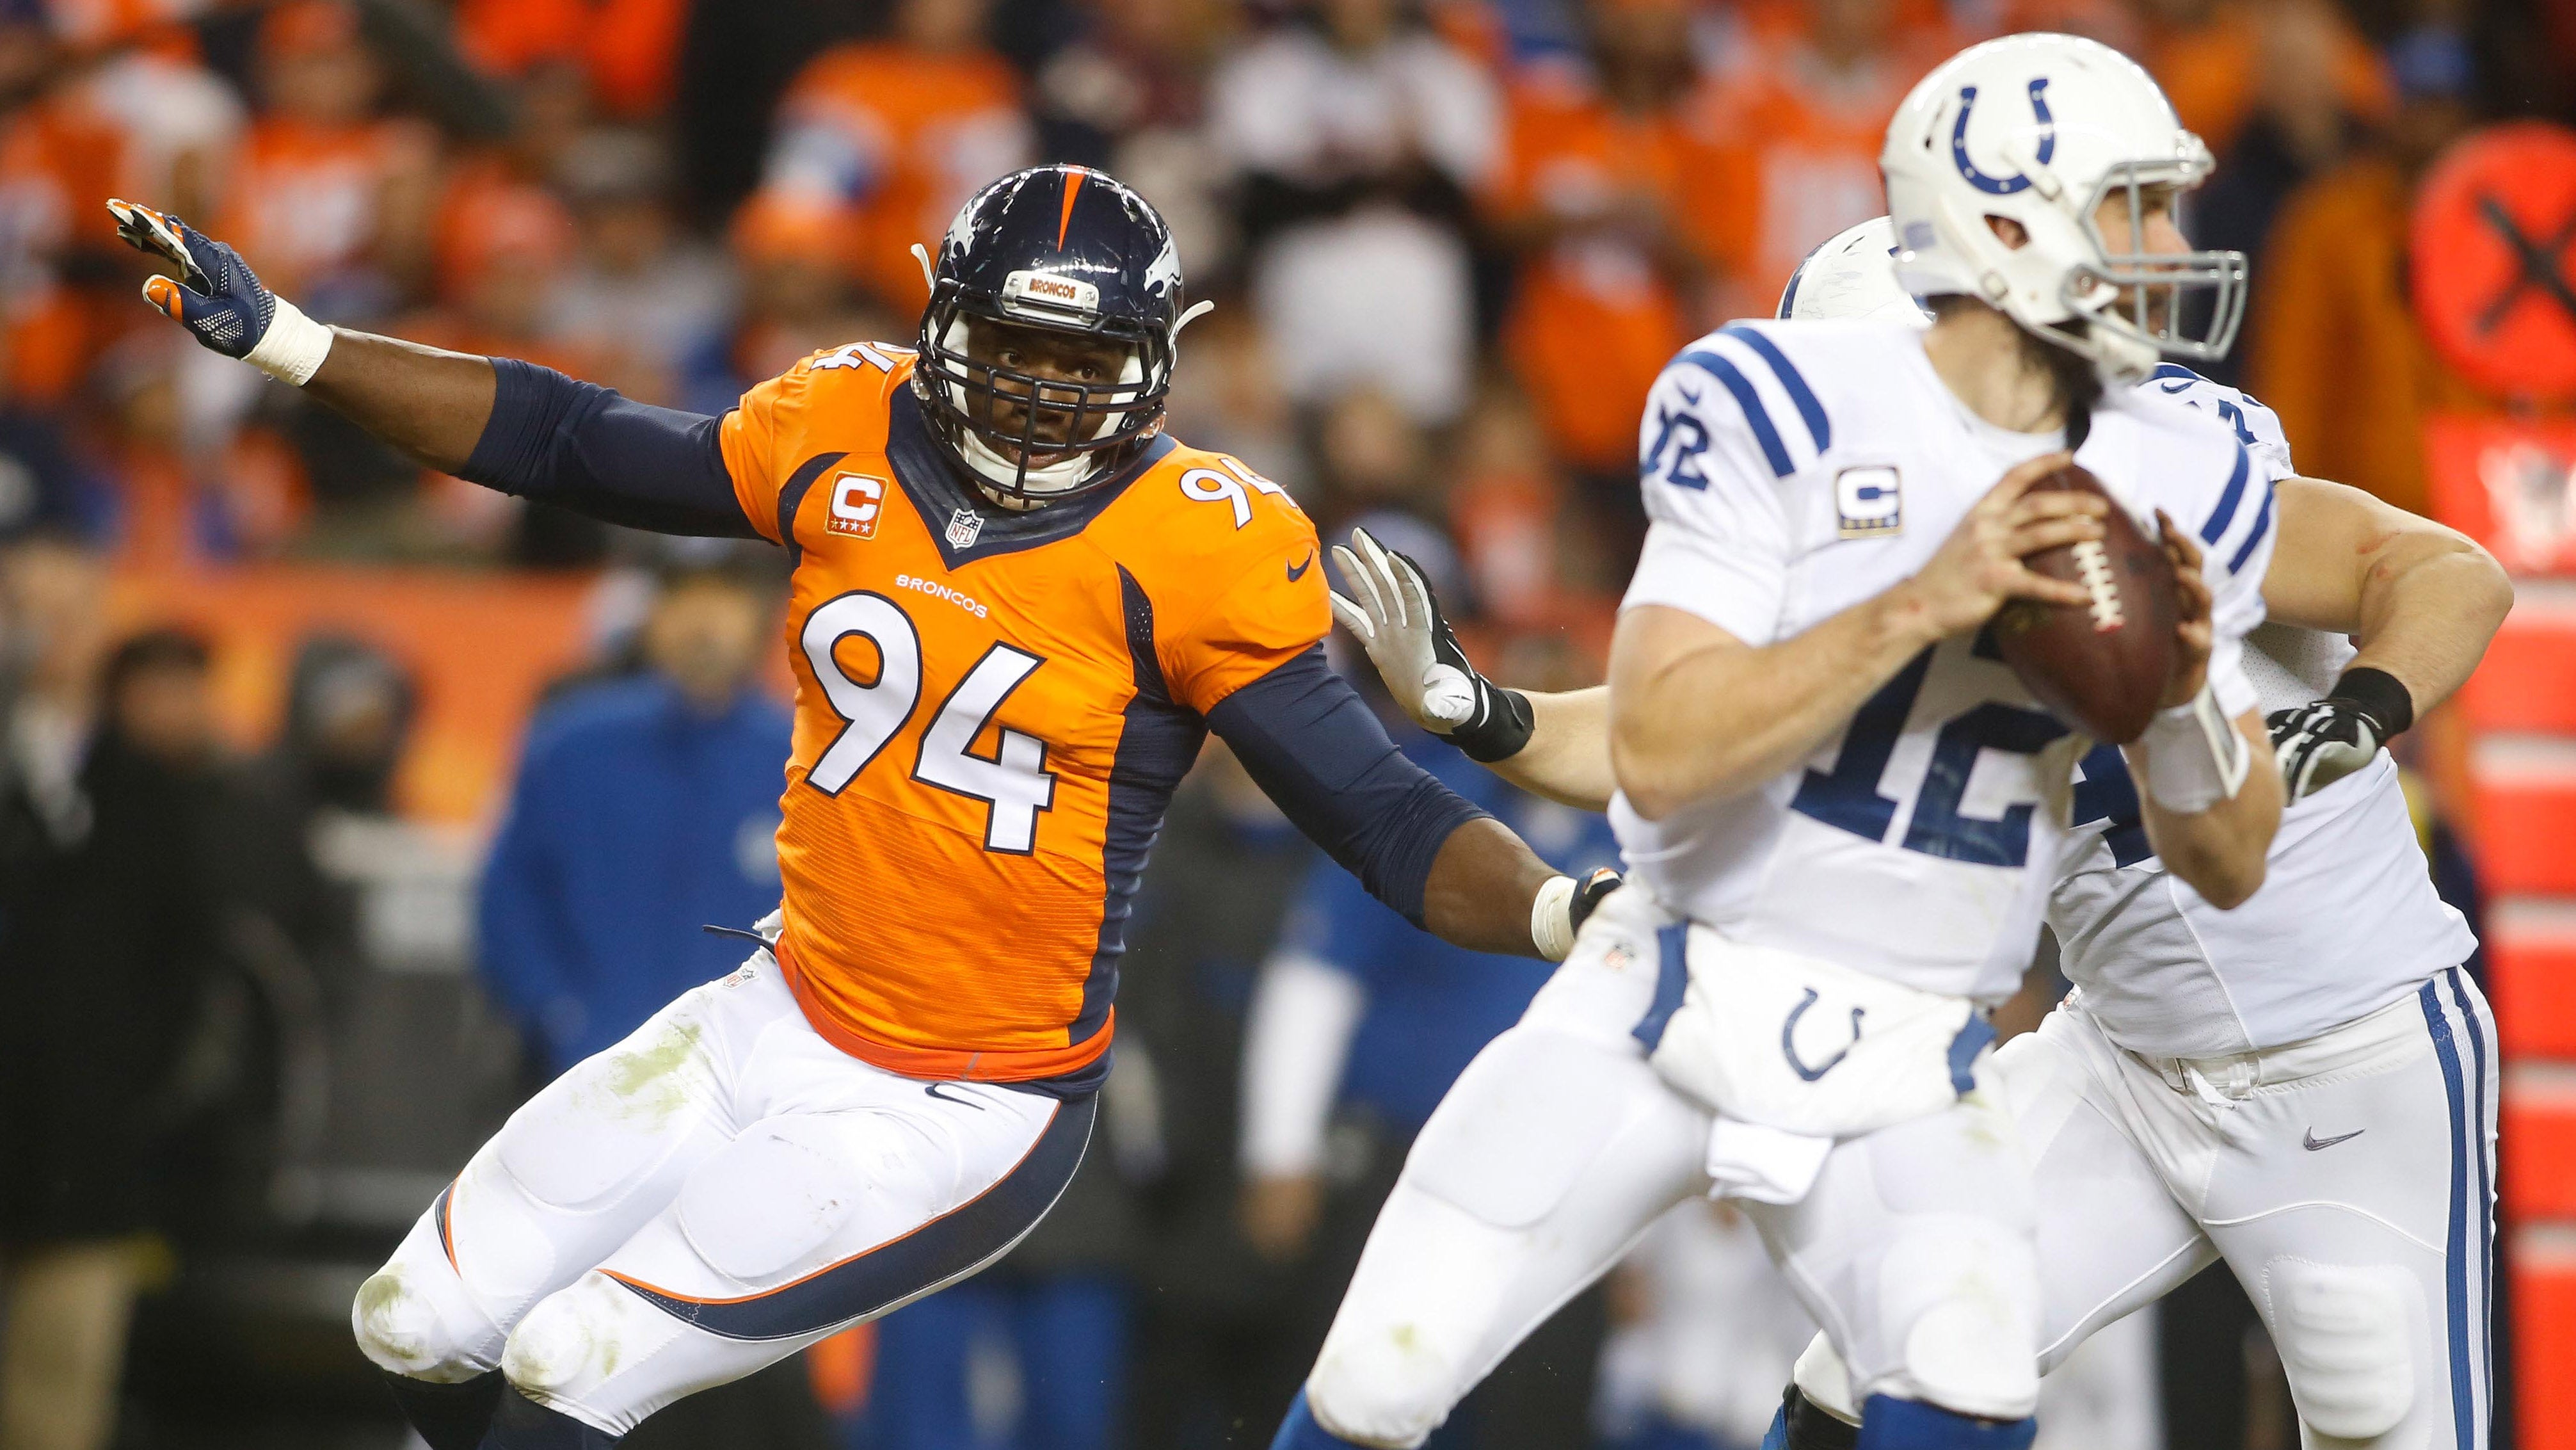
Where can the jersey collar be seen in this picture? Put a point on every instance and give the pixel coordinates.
(931, 479)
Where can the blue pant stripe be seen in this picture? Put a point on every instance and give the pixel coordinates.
(2484, 1203)
(2456, 1271)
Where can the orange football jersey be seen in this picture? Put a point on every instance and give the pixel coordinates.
(992, 709)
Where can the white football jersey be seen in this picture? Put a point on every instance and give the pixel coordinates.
(2347, 920)
(1794, 469)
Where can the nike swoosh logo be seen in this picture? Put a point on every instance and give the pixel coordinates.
(1687, 395)
(1297, 571)
(2310, 1141)
(952, 1096)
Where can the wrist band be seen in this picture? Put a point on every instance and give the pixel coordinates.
(292, 349)
(1499, 730)
(1552, 918)
(2381, 695)
(2194, 757)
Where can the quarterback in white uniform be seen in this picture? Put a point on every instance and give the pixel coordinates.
(1841, 810)
(2304, 1085)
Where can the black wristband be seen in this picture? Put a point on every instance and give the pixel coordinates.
(2381, 696)
(1500, 730)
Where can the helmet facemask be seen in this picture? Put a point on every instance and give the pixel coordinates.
(1033, 439)
(2185, 304)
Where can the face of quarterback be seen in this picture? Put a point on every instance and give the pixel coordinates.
(1048, 355)
(2148, 229)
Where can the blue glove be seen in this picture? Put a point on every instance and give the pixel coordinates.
(219, 299)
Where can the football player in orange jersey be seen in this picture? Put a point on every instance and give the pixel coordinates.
(1018, 608)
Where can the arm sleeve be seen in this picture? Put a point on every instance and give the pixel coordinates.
(1313, 746)
(1296, 1042)
(1717, 537)
(583, 447)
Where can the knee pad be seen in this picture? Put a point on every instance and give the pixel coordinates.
(773, 1198)
(1521, 1124)
(2346, 1337)
(403, 1327)
(1388, 1401)
(1959, 1309)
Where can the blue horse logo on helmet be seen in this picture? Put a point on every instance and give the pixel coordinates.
(2002, 185)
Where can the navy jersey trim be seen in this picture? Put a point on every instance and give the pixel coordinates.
(929, 476)
(791, 497)
(1157, 743)
(2228, 498)
(1672, 982)
(1755, 416)
(938, 1253)
(1819, 428)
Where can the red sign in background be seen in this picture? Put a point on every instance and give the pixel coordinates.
(2492, 248)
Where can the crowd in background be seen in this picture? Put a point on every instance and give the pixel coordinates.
(1450, 242)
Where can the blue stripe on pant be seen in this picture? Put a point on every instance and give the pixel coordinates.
(2469, 1195)
(942, 1250)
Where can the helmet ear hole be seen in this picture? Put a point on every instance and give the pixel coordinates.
(2008, 231)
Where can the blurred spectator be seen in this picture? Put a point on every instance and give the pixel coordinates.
(1598, 177)
(1357, 136)
(182, 494)
(330, 200)
(349, 714)
(1226, 397)
(1372, 457)
(112, 922)
(797, 299)
(641, 295)
(57, 155)
(178, 121)
(625, 51)
(644, 810)
(1507, 509)
(2335, 348)
(1358, 1027)
(2224, 65)
(898, 133)
(1801, 124)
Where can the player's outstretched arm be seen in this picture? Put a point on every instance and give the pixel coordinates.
(2212, 795)
(506, 424)
(2420, 600)
(1697, 713)
(1554, 745)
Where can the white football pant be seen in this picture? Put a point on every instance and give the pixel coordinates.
(707, 1197)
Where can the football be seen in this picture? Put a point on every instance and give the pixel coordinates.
(2102, 668)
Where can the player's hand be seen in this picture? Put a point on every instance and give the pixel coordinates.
(216, 296)
(1279, 1213)
(2321, 743)
(1979, 566)
(2193, 604)
(1398, 620)
(1562, 906)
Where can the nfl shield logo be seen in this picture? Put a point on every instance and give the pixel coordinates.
(963, 526)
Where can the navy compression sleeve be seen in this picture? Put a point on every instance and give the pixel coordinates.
(557, 440)
(1316, 749)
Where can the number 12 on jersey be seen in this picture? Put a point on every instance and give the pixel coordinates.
(1847, 797)
(1014, 782)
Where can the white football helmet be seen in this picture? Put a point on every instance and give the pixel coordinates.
(1853, 276)
(2040, 129)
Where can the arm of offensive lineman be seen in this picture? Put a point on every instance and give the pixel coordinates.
(1553, 745)
(2211, 796)
(500, 422)
(2420, 601)
(1697, 712)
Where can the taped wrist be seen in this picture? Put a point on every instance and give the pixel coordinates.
(2194, 757)
(2381, 696)
(1501, 726)
(292, 349)
(1552, 918)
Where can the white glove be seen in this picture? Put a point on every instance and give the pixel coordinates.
(1398, 620)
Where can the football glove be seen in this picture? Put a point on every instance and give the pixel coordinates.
(219, 299)
(2321, 743)
(1398, 620)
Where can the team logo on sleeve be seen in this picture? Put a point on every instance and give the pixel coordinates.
(857, 501)
(963, 526)
(1867, 503)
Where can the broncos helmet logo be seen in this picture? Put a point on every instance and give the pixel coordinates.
(2017, 182)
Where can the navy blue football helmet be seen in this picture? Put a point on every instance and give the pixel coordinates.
(1066, 249)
